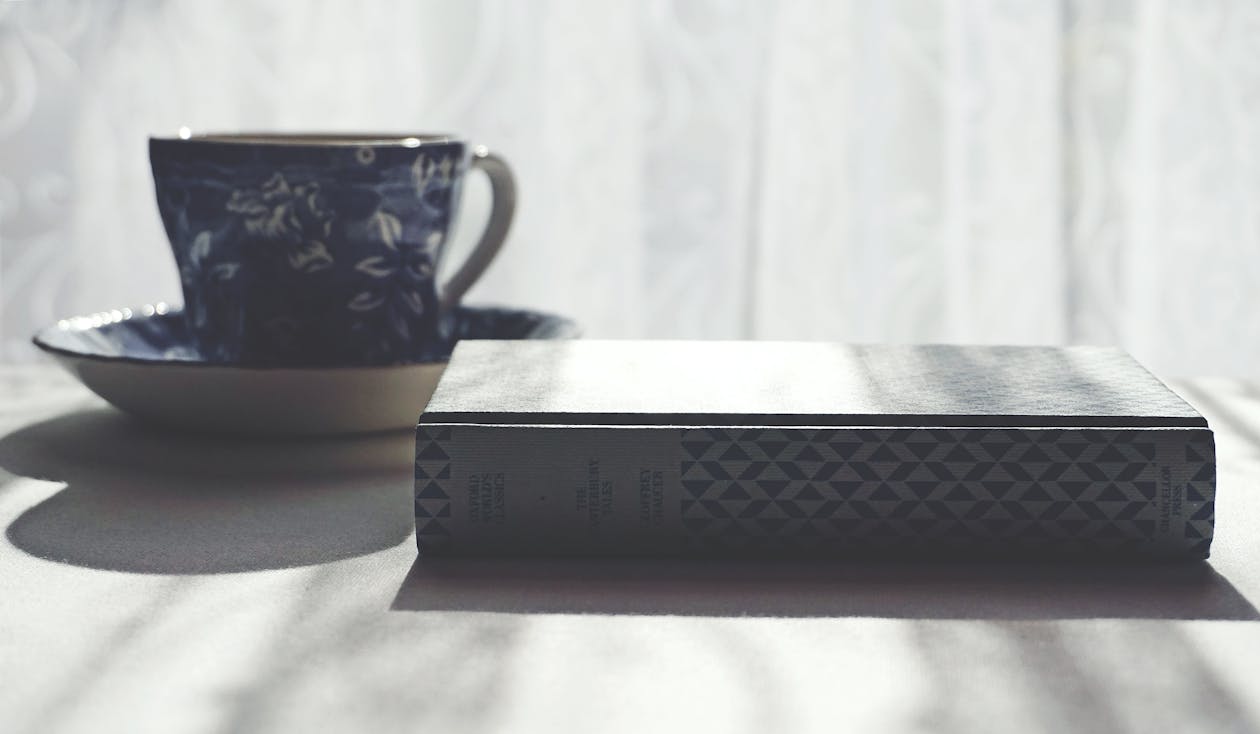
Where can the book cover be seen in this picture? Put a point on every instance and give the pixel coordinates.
(674, 447)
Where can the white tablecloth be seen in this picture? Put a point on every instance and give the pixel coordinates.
(153, 582)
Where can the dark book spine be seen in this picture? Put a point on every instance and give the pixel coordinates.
(562, 490)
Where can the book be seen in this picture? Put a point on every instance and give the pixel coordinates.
(826, 450)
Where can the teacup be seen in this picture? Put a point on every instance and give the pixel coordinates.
(320, 250)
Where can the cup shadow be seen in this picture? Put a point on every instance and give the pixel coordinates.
(895, 590)
(148, 500)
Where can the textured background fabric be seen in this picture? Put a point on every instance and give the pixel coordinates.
(993, 171)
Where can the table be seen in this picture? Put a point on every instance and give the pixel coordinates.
(159, 582)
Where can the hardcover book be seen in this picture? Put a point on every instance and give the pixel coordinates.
(674, 447)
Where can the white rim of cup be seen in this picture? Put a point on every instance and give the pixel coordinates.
(403, 140)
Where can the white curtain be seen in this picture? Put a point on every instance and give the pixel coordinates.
(1016, 171)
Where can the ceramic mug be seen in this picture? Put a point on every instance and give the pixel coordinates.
(320, 250)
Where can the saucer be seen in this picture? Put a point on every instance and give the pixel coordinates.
(144, 362)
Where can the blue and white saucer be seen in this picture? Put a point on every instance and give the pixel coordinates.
(144, 362)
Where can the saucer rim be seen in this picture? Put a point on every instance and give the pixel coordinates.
(567, 328)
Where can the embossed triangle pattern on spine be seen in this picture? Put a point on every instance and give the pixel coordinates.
(897, 489)
(433, 504)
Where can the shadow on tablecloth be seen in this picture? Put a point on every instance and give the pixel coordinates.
(150, 500)
(999, 591)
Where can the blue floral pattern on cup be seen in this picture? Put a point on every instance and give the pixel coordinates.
(309, 253)
(284, 215)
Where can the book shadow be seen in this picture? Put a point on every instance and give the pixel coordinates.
(897, 590)
(146, 499)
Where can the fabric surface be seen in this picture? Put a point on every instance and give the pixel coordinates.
(154, 582)
(998, 171)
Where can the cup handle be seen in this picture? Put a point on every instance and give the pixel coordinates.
(503, 195)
